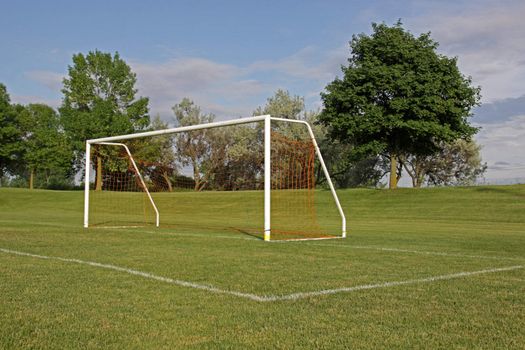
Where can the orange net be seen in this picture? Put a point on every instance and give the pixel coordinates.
(293, 185)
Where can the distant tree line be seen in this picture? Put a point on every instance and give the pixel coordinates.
(400, 108)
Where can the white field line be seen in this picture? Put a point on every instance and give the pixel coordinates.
(266, 298)
(398, 250)
(302, 295)
(181, 283)
(304, 239)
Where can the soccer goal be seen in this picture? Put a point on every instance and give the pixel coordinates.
(262, 176)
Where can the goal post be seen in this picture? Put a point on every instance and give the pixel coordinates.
(288, 185)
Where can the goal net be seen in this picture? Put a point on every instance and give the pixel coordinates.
(259, 176)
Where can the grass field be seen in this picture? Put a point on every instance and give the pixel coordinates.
(429, 268)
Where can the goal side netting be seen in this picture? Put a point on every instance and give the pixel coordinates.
(261, 177)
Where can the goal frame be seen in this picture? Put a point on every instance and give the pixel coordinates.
(267, 119)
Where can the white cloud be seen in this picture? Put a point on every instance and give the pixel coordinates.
(489, 40)
(309, 63)
(504, 148)
(229, 90)
(216, 87)
(52, 80)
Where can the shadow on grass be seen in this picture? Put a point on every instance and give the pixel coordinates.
(248, 233)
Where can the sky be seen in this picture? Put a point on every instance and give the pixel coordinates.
(230, 56)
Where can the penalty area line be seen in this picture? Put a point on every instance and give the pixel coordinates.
(265, 298)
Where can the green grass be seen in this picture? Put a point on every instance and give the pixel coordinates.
(49, 303)
(294, 214)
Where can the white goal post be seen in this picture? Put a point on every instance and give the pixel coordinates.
(113, 141)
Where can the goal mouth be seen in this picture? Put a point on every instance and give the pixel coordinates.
(260, 176)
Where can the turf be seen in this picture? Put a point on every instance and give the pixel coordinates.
(393, 236)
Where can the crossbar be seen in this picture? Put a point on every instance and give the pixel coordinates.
(180, 129)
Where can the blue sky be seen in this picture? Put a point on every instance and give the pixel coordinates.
(229, 56)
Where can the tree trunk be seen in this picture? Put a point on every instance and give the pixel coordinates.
(393, 171)
(419, 181)
(31, 178)
(168, 181)
(196, 178)
(420, 173)
(98, 180)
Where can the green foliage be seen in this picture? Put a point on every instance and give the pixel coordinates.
(457, 163)
(193, 148)
(344, 171)
(188, 113)
(221, 158)
(11, 145)
(46, 148)
(99, 99)
(157, 149)
(398, 96)
(156, 155)
(282, 105)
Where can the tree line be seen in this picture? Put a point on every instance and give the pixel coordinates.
(400, 107)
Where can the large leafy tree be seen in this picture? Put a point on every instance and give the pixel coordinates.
(11, 145)
(47, 151)
(100, 100)
(398, 96)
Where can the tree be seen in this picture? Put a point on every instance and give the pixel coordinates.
(156, 155)
(282, 105)
(397, 97)
(99, 100)
(457, 163)
(193, 148)
(344, 171)
(46, 149)
(11, 146)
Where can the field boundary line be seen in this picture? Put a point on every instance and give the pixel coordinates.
(400, 250)
(265, 298)
(181, 283)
